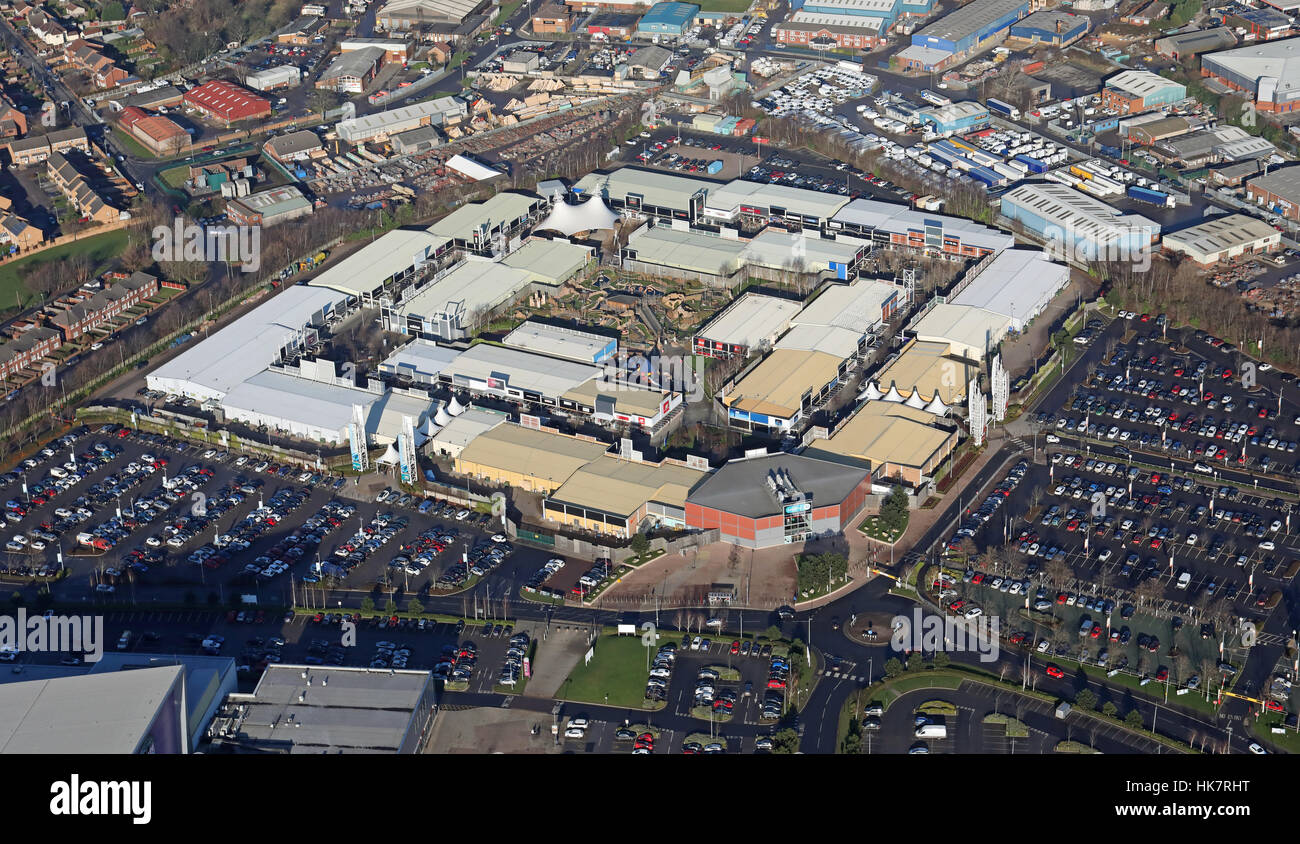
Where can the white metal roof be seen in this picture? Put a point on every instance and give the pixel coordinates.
(1220, 234)
(1018, 284)
(549, 261)
(472, 169)
(1139, 83)
(751, 319)
(91, 713)
(558, 341)
(324, 409)
(352, 710)
(831, 339)
(1278, 59)
(212, 367)
(523, 370)
(1077, 213)
(420, 359)
(854, 306)
(456, 10)
(870, 23)
(687, 250)
(370, 266)
(779, 249)
(664, 190)
(726, 201)
(969, 331)
(498, 209)
(470, 286)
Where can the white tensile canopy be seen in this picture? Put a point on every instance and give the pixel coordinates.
(430, 429)
(873, 392)
(568, 219)
(455, 408)
(893, 394)
(915, 400)
(441, 417)
(390, 455)
(936, 406)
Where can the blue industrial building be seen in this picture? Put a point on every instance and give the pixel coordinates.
(1083, 226)
(959, 34)
(964, 116)
(670, 18)
(1054, 28)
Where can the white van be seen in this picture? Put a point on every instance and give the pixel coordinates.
(932, 731)
(1184, 580)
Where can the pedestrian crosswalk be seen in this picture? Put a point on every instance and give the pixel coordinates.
(1018, 444)
(841, 675)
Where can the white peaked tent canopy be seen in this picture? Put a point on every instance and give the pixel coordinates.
(936, 406)
(390, 455)
(873, 392)
(915, 400)
(569, 219)
(455, 408)
(893, 394)
(441, 416)
(430, 429)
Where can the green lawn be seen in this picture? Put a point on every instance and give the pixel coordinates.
(873, 527)
(618, 669)
(99, 248)
(175, 177)
(136, 148)
(1262, 728)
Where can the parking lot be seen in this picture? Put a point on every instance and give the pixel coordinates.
(1133, 557)
(158, 519)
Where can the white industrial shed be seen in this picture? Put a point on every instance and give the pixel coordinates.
(686, 250)
(1222, 238)
(471, 169)
(394, 255)
(316, 410)
(861, 306)
(212, 368)
(969, 331)
(1018, 283)
(751, 321)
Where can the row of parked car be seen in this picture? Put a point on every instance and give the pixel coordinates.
(514, 659)
(990, 505)
(241, 536)
(661, 671)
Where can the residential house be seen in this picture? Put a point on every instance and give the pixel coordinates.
(102, 306)
(27, 348)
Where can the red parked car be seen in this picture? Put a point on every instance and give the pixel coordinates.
(1053, 671)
